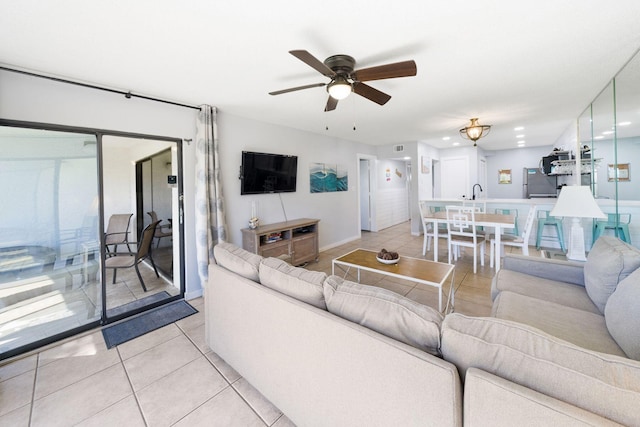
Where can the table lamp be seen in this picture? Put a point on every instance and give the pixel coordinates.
(577, 202)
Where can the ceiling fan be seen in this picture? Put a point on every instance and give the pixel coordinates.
(344, 79)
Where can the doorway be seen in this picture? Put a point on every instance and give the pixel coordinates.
(142, 189)
(365, 195)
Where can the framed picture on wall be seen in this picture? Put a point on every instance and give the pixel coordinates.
(619, 173)
(504, 176)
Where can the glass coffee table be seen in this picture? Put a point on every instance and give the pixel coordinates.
(416, 270)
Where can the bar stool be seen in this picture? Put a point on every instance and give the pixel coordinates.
(614, 222)
(545, 220)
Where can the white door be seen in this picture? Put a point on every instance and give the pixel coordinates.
(454, 173)
(365, 195)
(482, 178)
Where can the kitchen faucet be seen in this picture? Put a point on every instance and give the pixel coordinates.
(473, 190)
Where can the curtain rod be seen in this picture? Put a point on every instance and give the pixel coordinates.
(127, 95)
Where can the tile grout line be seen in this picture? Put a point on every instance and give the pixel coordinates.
(33, 389)
(229, 384)
(133, 391)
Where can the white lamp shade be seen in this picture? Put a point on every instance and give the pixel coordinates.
(576, 201)
(339, 90)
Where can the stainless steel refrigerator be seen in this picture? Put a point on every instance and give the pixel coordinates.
(536, 184)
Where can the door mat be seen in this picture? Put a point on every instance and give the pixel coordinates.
(130, 306)
(146, 322)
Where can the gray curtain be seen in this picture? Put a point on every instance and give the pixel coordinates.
(211, 226)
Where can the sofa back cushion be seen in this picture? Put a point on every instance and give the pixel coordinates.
(385, 312)
(622, 315)
(600, 383)
(237, 260)
(609, 262)
(298, 283)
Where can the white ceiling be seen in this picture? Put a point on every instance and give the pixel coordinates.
(510, 63)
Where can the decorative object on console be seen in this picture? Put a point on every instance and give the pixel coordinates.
(577, 202)
(253, 221)
(475, 131)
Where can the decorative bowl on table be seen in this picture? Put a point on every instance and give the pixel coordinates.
(387, 257)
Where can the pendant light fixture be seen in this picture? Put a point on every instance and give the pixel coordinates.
(475, 131)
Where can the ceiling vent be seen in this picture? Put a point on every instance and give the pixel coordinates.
(398, 148)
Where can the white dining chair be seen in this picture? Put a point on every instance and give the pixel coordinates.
(521, 241)
(427, 227)
(461, 230)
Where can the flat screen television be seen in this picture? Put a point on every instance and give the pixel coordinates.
(267, 173)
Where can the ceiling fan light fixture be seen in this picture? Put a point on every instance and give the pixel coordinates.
(475, 131)
(339, 88)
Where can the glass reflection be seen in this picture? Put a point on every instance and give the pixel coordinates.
(49, 264)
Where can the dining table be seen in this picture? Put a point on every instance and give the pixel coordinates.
(498, 222)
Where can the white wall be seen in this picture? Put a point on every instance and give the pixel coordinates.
(337, 211)
(392, 197)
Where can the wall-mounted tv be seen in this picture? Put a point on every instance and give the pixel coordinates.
(267, 173)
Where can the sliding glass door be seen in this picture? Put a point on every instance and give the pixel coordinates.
(77, 248)
(137, 184)
(49, 259)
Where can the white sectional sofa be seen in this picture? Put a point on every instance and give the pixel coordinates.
(329, 352)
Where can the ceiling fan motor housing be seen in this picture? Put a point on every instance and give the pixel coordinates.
(341, 64)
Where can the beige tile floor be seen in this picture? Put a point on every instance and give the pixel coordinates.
(171, 377)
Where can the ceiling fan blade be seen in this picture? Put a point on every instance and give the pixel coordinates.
(313, 62)
(293, 89)
(370, 93)
(389, 71)
(332, 103)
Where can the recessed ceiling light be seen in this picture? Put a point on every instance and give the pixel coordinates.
(519, 128)
(607, 132)
(520, 136)
(456, 143)
(522, 141)
(598, 137)
(446, 138)
(407, 158)
(624, 123)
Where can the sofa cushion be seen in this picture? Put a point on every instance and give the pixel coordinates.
(557, 291)
(385, 312)
(600, 383)
(301, 284)
(581, 328)
(609, 262)
(237, 260)
(622, 315)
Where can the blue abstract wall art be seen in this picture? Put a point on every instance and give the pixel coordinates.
(325, 178)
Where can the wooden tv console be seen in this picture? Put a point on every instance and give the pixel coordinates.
(297, 238)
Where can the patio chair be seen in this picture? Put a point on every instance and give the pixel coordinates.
(162, 230)
(128, 260)
(117, 232)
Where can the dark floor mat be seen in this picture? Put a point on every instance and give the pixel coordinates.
(146, 322)
(130, 306)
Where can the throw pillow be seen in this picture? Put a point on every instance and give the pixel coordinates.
(609, 262)
(301, 284)
(237, 260)
(385, 312)
(622, 315)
